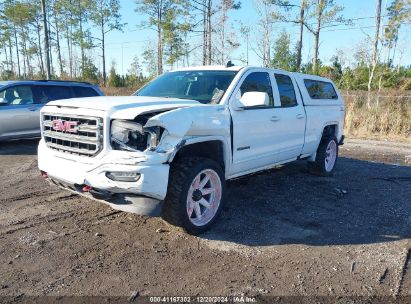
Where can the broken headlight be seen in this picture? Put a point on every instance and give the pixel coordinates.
(154, 134)
(131, 136)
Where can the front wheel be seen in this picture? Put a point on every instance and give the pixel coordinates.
(195, 194)
(326, 159)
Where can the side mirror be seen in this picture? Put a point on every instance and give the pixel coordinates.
(3, 101)
(253, 99)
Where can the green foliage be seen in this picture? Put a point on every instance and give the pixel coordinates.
(353, 79)
(173, 41)
(398, 12)
(20, 13)
(78, 27)
(150, 60)
(162, 18)
(114, 80)
(106, 15)
(90, 72)
(283, 57)
(134, 77)
(334, 71)
(81, 12)
(135, 67)
(386, 77)
(308, 68)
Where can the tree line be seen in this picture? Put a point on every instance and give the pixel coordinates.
(191, 32)
(67, 30)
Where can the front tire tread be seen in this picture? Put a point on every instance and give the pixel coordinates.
(182, 173)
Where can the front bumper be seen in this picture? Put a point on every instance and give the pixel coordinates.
(143, 196)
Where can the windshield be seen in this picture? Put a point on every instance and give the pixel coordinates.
(204, 86)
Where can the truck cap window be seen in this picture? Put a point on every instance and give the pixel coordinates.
(204, 86)
(320, 89)
(286, 90)
(258, 82)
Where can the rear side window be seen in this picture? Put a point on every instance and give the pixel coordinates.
(84, 92)
(45, 94)
(286, 90)
(258, 82)
(320, 89)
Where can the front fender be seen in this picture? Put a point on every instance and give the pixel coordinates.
(203, 120)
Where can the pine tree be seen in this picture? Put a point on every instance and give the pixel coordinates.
(106, 16)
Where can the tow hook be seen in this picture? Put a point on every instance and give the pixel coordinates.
(87, 188)
(97, 193)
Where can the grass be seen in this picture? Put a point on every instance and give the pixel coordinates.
(124, 91)
(388, 117)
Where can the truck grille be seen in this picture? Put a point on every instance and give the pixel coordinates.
(80, 135)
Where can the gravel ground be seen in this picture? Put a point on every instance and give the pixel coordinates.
(283, 234)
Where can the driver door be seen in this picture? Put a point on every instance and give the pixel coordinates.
(19, 116)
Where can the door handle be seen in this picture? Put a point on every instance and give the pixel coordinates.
(33, 108)
(300, 116)
(275, 118)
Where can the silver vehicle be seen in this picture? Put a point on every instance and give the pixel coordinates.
(21, 101)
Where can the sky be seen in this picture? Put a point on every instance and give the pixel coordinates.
(123, 47)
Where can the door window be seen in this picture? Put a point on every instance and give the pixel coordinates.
(45, 94)
(286, 90)
(18, 95)
(84, 92)
(258, 82)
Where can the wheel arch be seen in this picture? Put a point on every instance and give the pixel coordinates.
(211, 147)
(330, 128)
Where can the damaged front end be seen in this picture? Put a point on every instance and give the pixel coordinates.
(127, 135)
(162, 134)
(131, 173)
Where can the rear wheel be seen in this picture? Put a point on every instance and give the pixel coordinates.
(195, 194)
(326, 158)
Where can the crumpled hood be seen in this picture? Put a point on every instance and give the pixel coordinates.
(114, 104)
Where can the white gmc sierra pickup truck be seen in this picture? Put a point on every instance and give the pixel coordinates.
(170, 148)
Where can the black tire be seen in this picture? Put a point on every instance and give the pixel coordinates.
(319, 167)
(182, 174)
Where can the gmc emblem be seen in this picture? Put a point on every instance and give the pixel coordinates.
(65, 126)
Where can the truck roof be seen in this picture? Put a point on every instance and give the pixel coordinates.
(210, 68)
(310, 76)
(237, 68)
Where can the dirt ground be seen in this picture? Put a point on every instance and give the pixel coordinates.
(283, 234)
